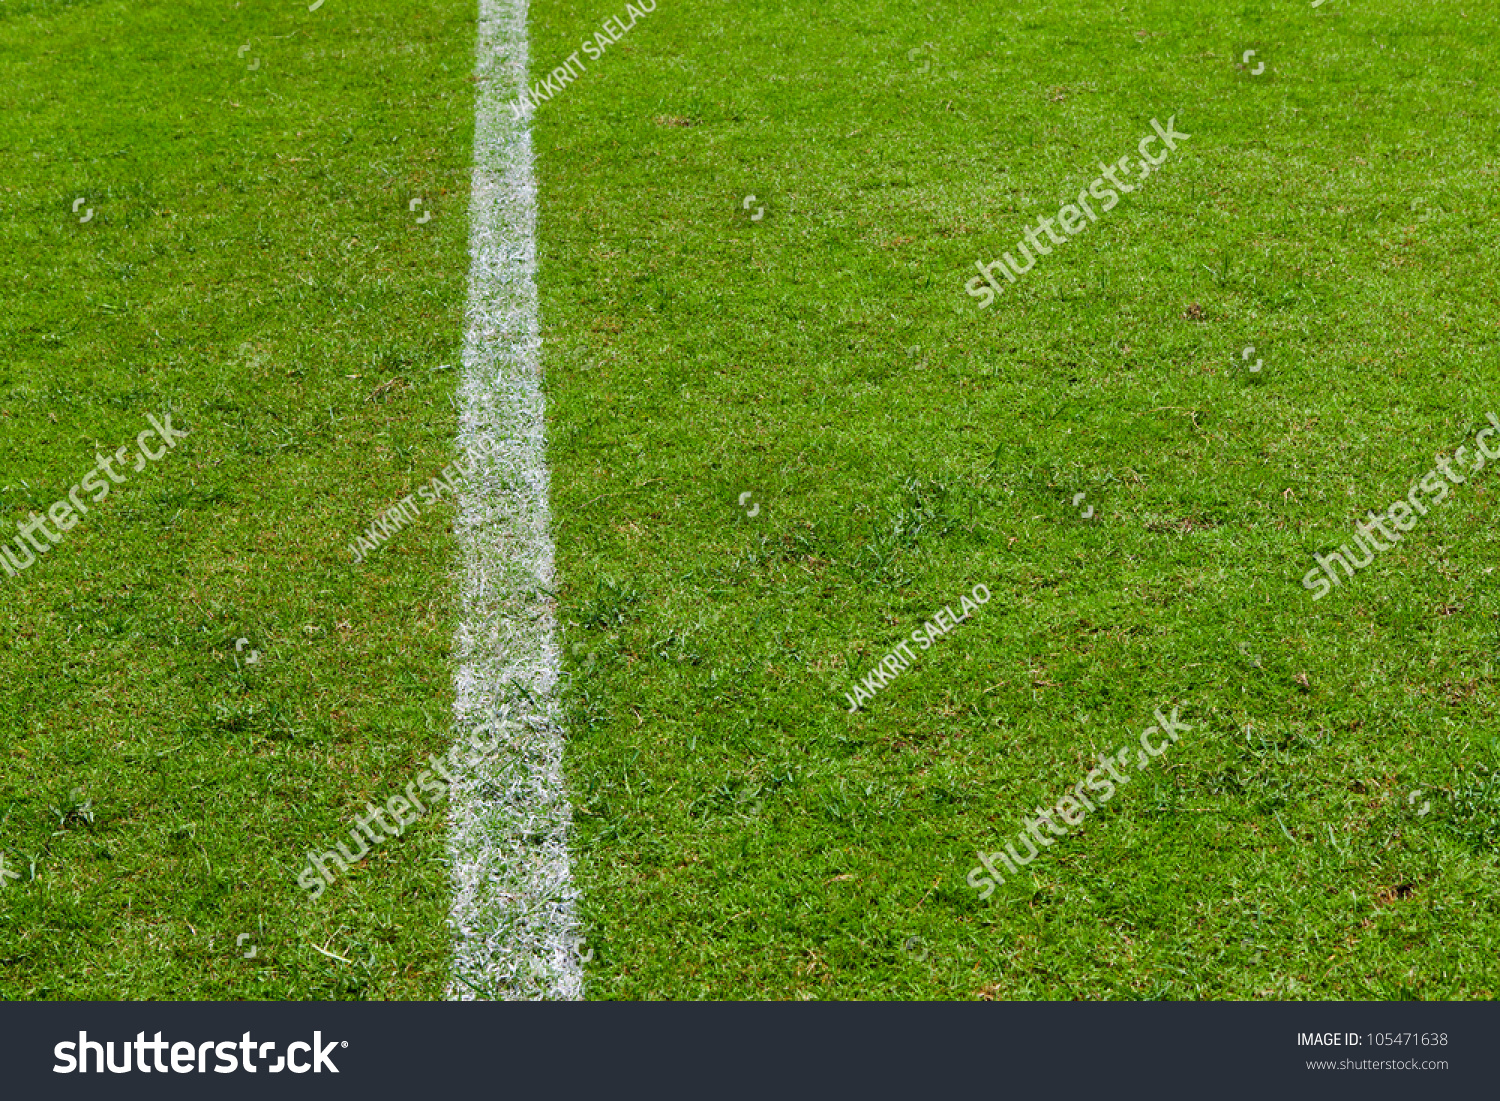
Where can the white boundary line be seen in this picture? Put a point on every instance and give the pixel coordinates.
(514, 902)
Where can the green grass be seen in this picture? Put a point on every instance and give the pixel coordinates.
(739, 835)
(252, 265)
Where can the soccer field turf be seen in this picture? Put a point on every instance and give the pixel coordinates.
(782, 436)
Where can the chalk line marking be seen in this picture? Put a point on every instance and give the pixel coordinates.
(514, 907)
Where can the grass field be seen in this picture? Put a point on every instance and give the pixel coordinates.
(1326, 829)
(251, 263)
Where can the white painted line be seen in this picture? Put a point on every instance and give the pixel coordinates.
(514, 907)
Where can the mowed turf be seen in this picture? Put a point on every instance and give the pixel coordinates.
(252, 263)
(1327, 828)
(738, 833)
